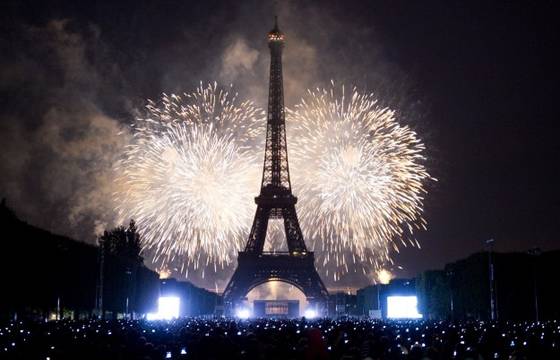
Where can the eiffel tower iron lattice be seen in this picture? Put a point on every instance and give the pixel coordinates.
(276, 201)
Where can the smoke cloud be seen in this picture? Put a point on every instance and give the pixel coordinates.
(237, 59)
(73, 87)
(59, 144)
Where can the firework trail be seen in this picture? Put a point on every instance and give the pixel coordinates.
(359, 176)
(189, 176)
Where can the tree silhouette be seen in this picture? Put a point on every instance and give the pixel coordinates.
(123, 243)
(118, 281)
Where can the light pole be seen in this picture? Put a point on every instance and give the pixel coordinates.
(535, 252)
(128, 282)
(493, 312)
(378, 298)
(99, 287)
(450, 287)
(58, 309)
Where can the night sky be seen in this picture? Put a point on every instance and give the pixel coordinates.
(477, 81)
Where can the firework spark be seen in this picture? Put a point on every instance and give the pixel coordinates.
(359, 175)
(189, 176)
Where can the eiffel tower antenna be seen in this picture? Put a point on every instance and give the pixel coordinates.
(276, 201)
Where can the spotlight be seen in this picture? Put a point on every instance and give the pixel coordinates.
(310, 314)
(168, 308)
(403, 307)
(243, 313)
(152, 316)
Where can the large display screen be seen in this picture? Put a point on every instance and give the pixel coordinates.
(402, 307)
(168, 308)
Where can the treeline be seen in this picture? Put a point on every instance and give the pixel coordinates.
(44, 275)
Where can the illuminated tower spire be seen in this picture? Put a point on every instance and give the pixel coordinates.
(276, 171)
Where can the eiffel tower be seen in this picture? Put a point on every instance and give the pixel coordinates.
(276, 201)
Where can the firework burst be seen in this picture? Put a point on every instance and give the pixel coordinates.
(193, 168)
(359, 175)
(190, 175)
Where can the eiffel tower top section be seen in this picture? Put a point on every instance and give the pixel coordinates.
(276, 173)
(275, 35)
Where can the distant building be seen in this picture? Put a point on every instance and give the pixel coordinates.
(372, 300)
(369, 301)
(434, 295)
(195, 301)
(342, 304)
(524, 287)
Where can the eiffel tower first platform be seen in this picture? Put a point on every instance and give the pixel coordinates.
(276, 201)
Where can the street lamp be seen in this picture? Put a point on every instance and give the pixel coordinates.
(450, 287)
(128, 285)
(493, 312)
(378, 299)
(535, 252)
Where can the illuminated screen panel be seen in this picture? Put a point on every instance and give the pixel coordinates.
(169, 307)
(276, 308)
(403, 307)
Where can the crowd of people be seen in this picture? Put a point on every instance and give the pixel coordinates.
(222, 338)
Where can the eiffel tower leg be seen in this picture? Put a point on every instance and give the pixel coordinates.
(318, 294)
(294, 236)
(258, 230)
(233, 293)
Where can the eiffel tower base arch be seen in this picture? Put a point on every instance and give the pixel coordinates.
(297, 269)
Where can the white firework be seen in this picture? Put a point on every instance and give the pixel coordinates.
(359, 175)
(189, 176)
